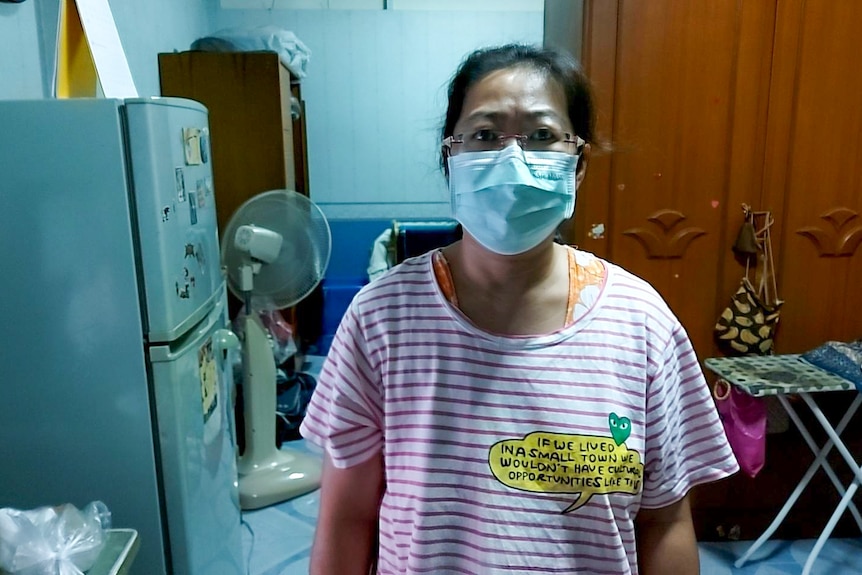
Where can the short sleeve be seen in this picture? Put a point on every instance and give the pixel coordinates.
(345, 414)
(686, 444)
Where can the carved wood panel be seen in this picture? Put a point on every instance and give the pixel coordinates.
(839, 236)
(668, 238)
(709, 105)
(814, 178)
(669, 82)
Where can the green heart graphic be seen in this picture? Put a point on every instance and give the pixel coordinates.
(621, 428)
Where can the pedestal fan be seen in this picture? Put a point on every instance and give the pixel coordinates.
(275, 248)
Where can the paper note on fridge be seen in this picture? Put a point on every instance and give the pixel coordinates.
(192, 145)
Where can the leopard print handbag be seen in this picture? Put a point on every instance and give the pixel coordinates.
(748, 324)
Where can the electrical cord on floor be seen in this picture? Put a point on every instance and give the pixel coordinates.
(250, 547)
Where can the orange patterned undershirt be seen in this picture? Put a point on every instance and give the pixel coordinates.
(580, 277)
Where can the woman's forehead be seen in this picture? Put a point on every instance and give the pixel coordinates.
(515, 92)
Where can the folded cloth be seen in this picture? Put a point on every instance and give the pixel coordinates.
(290, 49)
(844, 359)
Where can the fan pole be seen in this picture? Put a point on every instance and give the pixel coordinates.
(267, 475)
(258, 366)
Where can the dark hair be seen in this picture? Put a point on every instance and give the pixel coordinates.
(553, 64)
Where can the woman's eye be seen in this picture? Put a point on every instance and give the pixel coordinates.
(485, 135)
(542, 135)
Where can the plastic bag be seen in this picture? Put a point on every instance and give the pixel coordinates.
(280, 332)
(744, 420)
(382, 254)
(59, 540)
(293, 393)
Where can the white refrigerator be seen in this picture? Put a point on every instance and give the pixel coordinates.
(115, 346)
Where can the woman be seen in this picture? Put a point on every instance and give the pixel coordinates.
(508, 404)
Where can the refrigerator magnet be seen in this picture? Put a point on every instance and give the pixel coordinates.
(201, 195)
(192, 145)
(193, 208)
(209, 379)
(181, 184)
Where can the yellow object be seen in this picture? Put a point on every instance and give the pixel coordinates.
(582, 465)
(76, 70)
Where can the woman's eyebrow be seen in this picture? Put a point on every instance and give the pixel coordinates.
(494, 115)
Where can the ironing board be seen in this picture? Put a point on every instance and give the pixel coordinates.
(780, 376)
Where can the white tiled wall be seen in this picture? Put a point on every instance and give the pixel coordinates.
(375, 89)
(376, 94)
(20, 51)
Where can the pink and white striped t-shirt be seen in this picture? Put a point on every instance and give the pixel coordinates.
(516, 454)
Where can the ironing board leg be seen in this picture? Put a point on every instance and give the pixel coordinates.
(834, 434)
(827, 531)
(847, 497)
(851, 411)
(819, 460)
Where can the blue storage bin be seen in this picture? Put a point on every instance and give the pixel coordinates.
(337, 295)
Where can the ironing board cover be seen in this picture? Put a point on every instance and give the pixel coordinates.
(776, 375)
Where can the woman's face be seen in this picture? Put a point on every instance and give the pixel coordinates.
(514, 101)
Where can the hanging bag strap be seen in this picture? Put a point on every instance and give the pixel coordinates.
(768, 292)
(767, 285)
(768, 289)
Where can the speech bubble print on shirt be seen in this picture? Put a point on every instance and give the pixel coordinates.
(582, 465)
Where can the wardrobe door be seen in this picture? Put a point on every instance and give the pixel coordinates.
(709, 105)
(682, 93)
(682, 90)
(813, 179)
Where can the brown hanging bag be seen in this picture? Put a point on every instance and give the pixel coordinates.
(748, 324)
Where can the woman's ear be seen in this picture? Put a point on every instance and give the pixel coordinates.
(583, 160)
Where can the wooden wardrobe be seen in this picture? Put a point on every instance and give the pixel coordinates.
(708, 105)
(258, 137)
(257, 143)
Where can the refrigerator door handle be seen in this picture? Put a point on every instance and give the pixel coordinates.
(204, 332)
(224, 340)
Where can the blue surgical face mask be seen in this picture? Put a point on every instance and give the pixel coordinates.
(511, 200)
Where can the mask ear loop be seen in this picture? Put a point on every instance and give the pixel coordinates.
(449, 140)
(446, 152)
(580, 144)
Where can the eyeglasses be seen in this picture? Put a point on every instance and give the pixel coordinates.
(542, 140)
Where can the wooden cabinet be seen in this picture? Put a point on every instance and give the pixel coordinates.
(256, 143)
(708, 105)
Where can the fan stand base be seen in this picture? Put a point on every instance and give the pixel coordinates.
(286, 475)
(267, 475)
